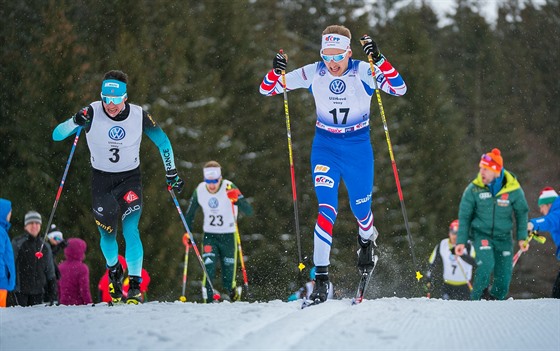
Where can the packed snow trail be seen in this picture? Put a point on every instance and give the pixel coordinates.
(381, 324)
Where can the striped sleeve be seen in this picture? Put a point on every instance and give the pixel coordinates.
(269, 83)
(300, 78)
(392, 83)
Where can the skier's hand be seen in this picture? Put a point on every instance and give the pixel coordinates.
(174, 181)
(82, 117)
(523, 245)
(370, 48)
(459, 249)
(279, 63)
(233, 194)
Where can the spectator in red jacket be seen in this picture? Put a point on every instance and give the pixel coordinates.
(73, 286)
(103, 285)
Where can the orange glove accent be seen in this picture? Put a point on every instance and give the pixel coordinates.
(233, 194)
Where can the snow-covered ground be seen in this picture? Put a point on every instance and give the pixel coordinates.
(381, 324)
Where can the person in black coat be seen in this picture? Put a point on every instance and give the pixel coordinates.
(32, 273)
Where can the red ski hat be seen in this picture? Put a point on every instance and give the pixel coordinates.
(492, 160)
(454, 226)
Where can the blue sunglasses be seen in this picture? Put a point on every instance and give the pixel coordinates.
(211, 181)
(114, 99)
(335, 58)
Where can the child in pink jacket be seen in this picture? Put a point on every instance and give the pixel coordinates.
(73, 286)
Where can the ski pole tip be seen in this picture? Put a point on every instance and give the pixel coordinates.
(183, 299)
(39, 255)
(418, 275)
(216, 297)
(301, 266)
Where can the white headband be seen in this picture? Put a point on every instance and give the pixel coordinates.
(335, 41)
(212, 173)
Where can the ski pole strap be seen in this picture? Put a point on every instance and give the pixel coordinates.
(541, 239)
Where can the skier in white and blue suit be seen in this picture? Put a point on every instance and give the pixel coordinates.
(342, 89)
(114, 131)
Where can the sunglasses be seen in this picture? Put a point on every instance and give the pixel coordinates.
(335, 58)
(114, 99)
(486, 158)
(211, 181)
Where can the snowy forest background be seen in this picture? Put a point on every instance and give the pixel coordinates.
(196, 66)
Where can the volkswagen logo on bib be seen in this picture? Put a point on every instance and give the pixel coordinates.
(117, 133)
(337, 86)
(213, 202)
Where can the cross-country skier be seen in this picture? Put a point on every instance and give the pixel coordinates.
(220, 200)
(114, 130)
(456, 271)
(342, 88)
(549, 206)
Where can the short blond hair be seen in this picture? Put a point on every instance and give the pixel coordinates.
(212, 164)
(338, 29)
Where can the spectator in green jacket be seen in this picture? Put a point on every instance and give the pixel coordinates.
(486, 212)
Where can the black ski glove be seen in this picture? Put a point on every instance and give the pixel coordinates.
(174, 181)
(370, 48)
(279, 63)
(82, 117)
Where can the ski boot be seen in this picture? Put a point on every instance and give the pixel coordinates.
(235, 294)
(366, 252)
(134, 296)
(486, 295)
(115, 283)
(321, 288)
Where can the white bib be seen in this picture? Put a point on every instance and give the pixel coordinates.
(217, 209)
(451, 271)
(341, 102)
(115, 145)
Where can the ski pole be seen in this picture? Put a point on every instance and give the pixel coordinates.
(301, 266)
(241, 260)
(193, 244)
(39, 254)
(533, 235)
(394, 164)
(463, 271)
(183, 298)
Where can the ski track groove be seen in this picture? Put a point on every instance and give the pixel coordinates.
(291, 323)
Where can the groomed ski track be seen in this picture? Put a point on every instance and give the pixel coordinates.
(381, 324)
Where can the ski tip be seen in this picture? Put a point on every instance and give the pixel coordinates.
(357, 300)
(307, 303)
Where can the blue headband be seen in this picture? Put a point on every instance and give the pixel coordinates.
(113, 87)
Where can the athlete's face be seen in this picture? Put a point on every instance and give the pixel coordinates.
(336, 68)
(213, 187)
(453, 237)
(113, 109)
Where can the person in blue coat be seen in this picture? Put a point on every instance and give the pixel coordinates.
(7, 264)
(549, 206)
